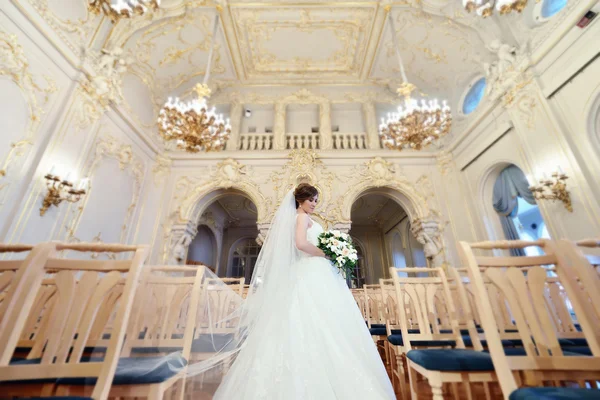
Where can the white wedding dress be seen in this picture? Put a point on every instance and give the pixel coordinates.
(315, 345)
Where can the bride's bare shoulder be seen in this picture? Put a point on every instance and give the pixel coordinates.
(304, 219)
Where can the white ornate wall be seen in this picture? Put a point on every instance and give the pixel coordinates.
(55, 113)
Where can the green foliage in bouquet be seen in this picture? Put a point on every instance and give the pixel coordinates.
(339, 248)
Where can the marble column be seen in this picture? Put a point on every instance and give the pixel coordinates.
(235, 115)
(279, 126)
(325, 126)
(370, 117)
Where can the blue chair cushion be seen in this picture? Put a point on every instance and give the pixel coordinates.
(573, 342)
(138, 370)
(451, 359)
(397, 340)
(553, 393)
(520, 351)
(207, 343)
(469, 343)
(378, 331)
(581, 350)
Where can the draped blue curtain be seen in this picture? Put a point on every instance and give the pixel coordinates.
(510, 185)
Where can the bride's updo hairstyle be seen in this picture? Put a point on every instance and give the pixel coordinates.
(303, 192)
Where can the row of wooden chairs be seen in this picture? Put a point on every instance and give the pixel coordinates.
(512, 321)
(99, 328)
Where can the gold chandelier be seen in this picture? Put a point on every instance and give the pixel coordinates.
(117, 9)
(193, 125)
(414, 125)
(485, 8)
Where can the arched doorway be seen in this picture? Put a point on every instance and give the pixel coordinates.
(383, 228)
(519, 214)
(203, 249)
(227, 214)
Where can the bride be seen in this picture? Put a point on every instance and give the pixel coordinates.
(303, 335)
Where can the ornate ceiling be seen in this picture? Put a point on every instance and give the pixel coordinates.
(338, 46)
(287, 43)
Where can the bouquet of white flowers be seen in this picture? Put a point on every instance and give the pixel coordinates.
(338, 247)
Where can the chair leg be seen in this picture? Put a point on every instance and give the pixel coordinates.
(436, 389)
(179, 389)
(413, 380)
(400, 360)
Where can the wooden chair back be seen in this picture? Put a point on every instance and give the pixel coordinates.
(524, 284)
(218, 303)
(81, 286)
(389, 303)
(581, 276)
(373, 304)
(165, 309)
(422, 297)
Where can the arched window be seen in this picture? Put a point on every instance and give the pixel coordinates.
(473, 96)
(243, 258)
(519, 214)
(552, 7)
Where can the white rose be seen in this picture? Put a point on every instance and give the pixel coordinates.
(336, 233)
(345, 252)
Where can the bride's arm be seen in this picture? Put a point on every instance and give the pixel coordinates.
(301, 242)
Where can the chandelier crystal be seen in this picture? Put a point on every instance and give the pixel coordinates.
(485, 8)
(192, 125)
(117, 9)
(415, 125)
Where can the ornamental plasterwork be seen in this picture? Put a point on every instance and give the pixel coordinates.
(75, 33)
(342, 31)
(228, 174)
(14, 65)
(174, 51)
(305, 166)
(162, 168)
(380, 173)
(108, 146)
(446, 47)
(445, 162)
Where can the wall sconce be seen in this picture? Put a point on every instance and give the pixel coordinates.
(61, 190)
(554, 189)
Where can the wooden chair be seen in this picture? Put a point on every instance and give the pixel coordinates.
(81, 288)
(155, 348)
(16, 276)
(218, 323)
(583, 278)
(433, 349)
(525, 285)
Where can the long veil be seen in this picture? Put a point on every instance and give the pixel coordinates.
(224, 319)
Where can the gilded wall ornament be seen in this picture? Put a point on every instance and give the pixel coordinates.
(162, 168)
(445, 162)
(107, 146)
(15, 66)
(74, 32)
